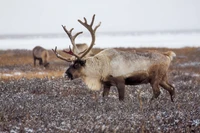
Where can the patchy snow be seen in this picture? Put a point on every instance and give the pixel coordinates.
(189, 64)
(52, 109)
(7, 75)
(13, 131)
(196, 122)
(41, 73)
(28, 130)
(17, 73)
(11, 74)
(192, 74)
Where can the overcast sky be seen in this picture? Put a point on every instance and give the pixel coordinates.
(47, 16)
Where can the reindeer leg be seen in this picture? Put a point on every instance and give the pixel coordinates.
(120, 84)
(165, 84)
(171, 87)
(156, 90)
(106, 90)
(34, 61)
(40, 61)
(121, 91)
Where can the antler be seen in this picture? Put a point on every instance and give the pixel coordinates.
(59, 56)
(72, 37)
(92, 32)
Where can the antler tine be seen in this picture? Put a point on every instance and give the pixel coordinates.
(93, 17)
(85, 20)
(69, 33)
(92, 32)
(70, 30)
(59, 56)
(97, 26)
(71, 53)
(72, 37)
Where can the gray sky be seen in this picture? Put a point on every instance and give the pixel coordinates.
(47, 16)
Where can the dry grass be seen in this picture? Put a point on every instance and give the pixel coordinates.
(15, 57)
(30, 75)
(16, 64)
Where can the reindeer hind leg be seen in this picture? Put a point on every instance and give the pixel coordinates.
(156, 90)
(167, 86)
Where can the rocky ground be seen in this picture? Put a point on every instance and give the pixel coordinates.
(59, 105)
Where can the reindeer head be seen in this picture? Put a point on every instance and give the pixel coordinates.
(74, 70)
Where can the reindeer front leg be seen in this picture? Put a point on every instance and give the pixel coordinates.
(120, 84)
(121, 90)
(34, 61)
(40, 61)
(106, 90)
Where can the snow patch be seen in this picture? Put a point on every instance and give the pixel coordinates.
(189, 64)
(41, 73)
(7, 75)
(193, 74)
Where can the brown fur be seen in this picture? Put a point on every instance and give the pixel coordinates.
(42, 55)
(117, 68)
(156, 76)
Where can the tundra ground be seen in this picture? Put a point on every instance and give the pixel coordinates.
(34, 99)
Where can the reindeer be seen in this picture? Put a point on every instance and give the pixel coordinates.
(77, 48)
(41, 54)
(112, 67)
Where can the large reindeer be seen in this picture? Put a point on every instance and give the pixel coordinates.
(112, 67)
(41, 54)
(78, 48)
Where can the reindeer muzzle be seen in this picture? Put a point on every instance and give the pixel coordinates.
(68, 75)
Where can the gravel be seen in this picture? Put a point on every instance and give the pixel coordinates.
(59, 105)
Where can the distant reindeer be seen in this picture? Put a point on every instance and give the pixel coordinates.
(112, 67)
(78, 48)
(41, 54)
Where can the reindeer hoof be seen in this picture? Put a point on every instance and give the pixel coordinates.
(172, 98)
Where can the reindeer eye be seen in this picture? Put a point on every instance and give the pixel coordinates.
(76, 66)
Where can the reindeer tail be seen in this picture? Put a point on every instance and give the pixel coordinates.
(170, 54)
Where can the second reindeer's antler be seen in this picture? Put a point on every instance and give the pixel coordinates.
(70, 52)
(92, 32)
(60, 56)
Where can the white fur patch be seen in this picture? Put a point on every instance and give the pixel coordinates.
(120, 66)
(93, 83)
